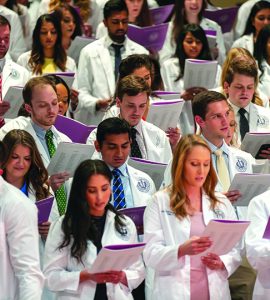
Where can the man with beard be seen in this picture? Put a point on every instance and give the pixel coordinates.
(99, 63)
(11, 74)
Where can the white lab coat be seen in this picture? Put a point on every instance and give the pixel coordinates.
(246, 41)
(25, 124)
(164, 233)
(170, 71)
(168, 49)
(155, 141)
(13, 75)
(258, 249)
(17, 44)
(63, 271)
(96, 78)
(21, 278)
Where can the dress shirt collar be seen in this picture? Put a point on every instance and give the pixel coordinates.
(236, 108)
(122, 169)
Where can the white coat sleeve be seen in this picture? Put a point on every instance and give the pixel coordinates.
(157, 254)
(56, 262)
(258, 249)
(22, 238)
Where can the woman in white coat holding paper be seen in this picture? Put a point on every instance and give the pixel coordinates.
(173, 229)
(74, 241)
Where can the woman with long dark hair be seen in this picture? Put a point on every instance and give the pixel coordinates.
(190, 12)
(47, 54)
(90, 223)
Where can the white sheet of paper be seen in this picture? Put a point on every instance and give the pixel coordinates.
(116, 259)
(225, 234)
(253, 141)
(199, 73)
(68, 156)
(15, 98)
(165, 114)
(153, 169)
(76, 46)
(249, 185)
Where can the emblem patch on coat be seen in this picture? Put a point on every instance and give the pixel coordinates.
(143, 185)
(15, 74)
(241, 164)
(262, 121)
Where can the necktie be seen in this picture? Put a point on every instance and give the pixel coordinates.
(135, 149)
(244, 126)
(222, 170)
(118, 190)
(117, 58)
(60, 194)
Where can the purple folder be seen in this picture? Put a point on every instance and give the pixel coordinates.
(224, 17)
(44, 207)
(151, 37)
(124, 246)
(231, 221)
(136, 214)
(76, 131)
(266, 234)
(161, 14)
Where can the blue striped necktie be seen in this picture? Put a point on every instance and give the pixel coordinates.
(118, 190)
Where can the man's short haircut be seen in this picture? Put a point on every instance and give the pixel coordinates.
(238, 65)
(31, 84)
(133, 62)
(112, 126)
(113, 6)
(202, 100)
(132, 85)
(4, 21)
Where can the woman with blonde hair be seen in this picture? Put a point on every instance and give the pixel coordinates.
(174, 223)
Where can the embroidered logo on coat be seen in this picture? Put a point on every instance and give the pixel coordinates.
(143, 185)
(262, 121)
(241, 164)
(15, 74)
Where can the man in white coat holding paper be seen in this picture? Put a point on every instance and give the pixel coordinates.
(21, 277)
(99, 63)
(41, 102)
(148, 141)
(113, 141)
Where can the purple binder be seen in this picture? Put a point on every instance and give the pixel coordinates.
(161, 14)
(151, 37)
(124, 246)
(76, 131)
(44, 209)
(224, 17)
(136, 214)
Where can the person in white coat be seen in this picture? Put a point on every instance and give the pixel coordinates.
(257, 246)
(47, 54)
(113, 141)
(173, 225)
(99, 63)
(74, 241)
(148, 141)
(258, 18)
(190, 12)
(40, 100)
(191, 44)
(239, 85)
(21, 277)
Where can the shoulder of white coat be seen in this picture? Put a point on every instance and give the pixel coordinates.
(71, 63)
(92, 49)
(17, 123)
(223, 200)
(261, 200)
(241, 153)
(209, 23)
(153, 128)
(92, 137)
(171, 62)
(162, 198)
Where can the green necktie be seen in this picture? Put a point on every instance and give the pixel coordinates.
(60, 194)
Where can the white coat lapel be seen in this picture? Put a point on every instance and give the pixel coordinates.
(105, 59)
(253, 118)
